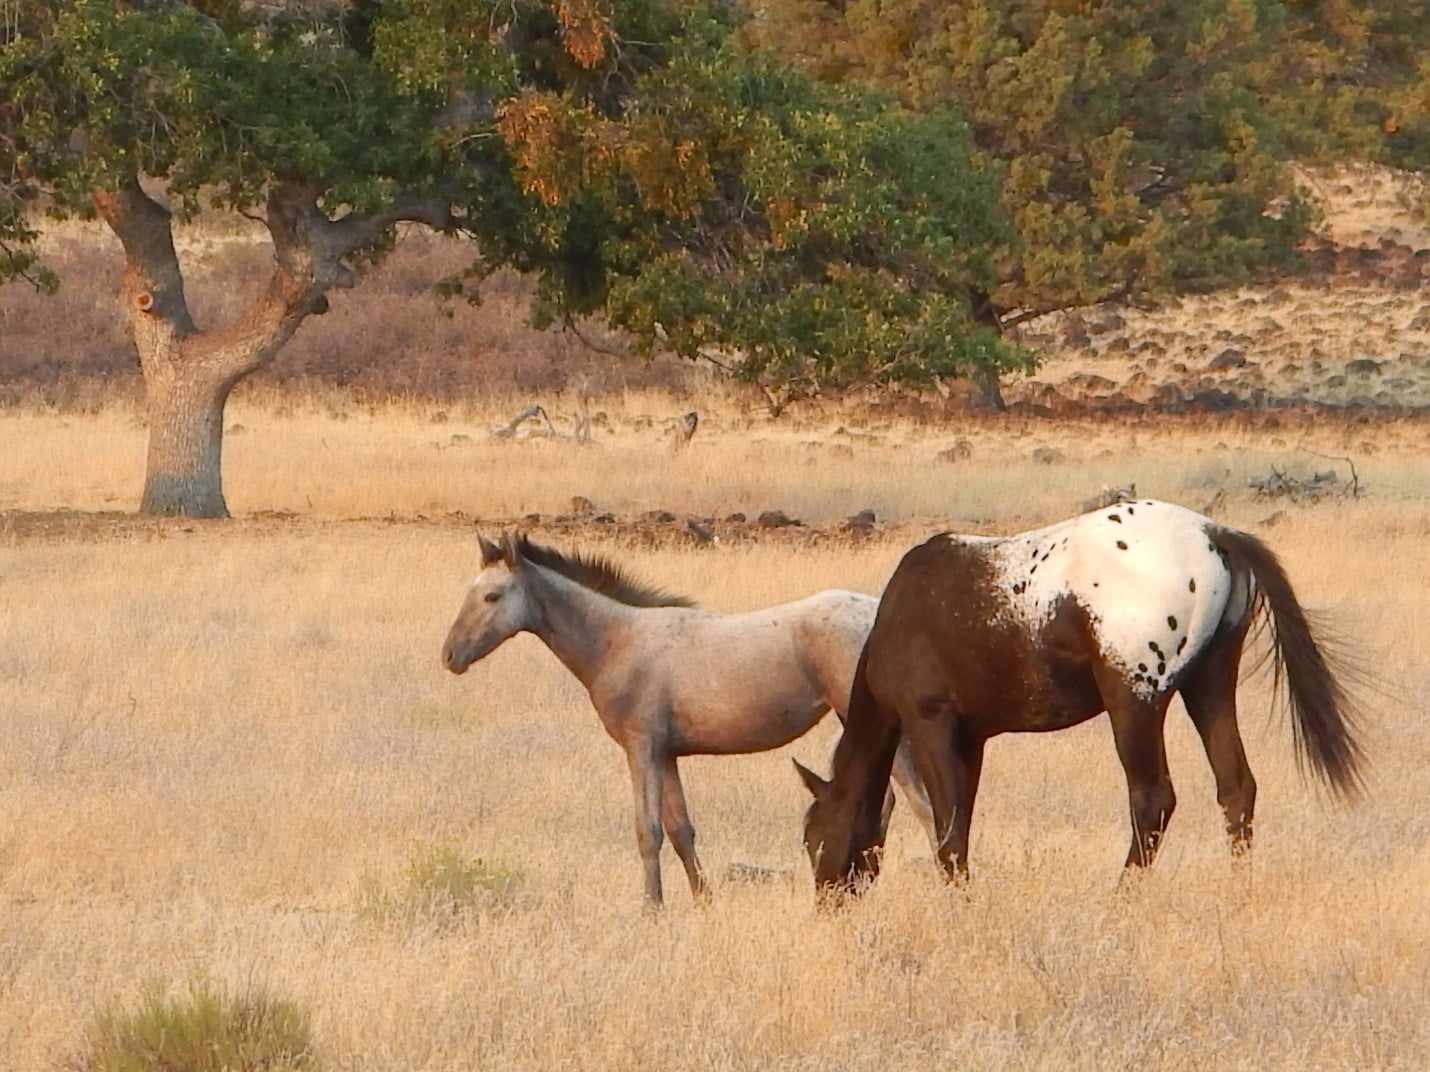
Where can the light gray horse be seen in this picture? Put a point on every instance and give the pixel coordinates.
(668, 680)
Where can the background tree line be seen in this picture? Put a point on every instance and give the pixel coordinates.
(798, 190)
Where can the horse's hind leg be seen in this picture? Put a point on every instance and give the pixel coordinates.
(1210, 696)
(676, 820)
(1137, 730)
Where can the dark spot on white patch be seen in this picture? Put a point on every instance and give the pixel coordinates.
(1161, 669)
(1172, 622)
(1121, 545)
(1095, 584)
(1182, 645)
(1192, 585)
(1157, 651)
(1033, 570)
(1130, 511)
(1142, 667)
(1115, 517)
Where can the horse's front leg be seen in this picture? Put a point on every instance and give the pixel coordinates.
(676, 820)
(949, 764)
(915, 796)
(646, 779)
(968, 767)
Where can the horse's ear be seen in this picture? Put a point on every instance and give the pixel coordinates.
(813, 782)
(490, 551)
(511, 550)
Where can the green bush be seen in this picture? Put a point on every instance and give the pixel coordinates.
(442, 884)
(206, 1031)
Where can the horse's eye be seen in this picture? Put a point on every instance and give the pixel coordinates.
(492, 597)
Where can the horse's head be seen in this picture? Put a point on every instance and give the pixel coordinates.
(844, 849)
(498, 606)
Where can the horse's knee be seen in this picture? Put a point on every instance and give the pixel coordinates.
(682, 834)
(648, 838)
(1154, 804)
(1238, 799)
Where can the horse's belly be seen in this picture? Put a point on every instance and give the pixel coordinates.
(745, 729)
(1064, 695)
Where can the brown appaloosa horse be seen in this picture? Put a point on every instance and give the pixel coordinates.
(1115, 610)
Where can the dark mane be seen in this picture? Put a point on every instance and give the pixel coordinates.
(599, 574)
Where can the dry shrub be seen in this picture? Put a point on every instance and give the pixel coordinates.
(441, 885)
(208, 1030)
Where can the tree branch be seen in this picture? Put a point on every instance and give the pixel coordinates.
(311, 251)
(153, 282)
(309, 243)
(357, 231)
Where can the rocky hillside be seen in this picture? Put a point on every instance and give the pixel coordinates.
(1351, 327)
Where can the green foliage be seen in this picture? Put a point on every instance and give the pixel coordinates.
(207, 1031)
(817, 232)
(1017, 155)
(1141, 144)
(441, 884)
(103, 93)
(707, 200)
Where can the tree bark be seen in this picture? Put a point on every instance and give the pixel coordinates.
(188, 373)
(184, 472)
(985, 312)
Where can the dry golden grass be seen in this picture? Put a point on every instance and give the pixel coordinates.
(336, 458)
(218, 737)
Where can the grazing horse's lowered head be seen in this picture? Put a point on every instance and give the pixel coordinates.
(826, 834)
(502, 602)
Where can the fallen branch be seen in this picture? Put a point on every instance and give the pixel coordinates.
(508, 431)
(1355, 477)
(1280, 484)
(682, 433)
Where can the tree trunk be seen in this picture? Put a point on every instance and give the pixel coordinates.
(184, 475)
(985, 312)
(189, 373)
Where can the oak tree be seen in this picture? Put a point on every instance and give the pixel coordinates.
(625, 153)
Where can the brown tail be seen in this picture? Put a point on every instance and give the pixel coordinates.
(1322, 713)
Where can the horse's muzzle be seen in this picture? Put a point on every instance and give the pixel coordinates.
(457, 662)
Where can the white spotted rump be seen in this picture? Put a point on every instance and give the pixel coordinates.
(1152, 583)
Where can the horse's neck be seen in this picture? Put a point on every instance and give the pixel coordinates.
(577, 624)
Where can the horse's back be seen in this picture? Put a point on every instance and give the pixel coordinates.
(1152, 583)
(1139, 587)
(755, 680)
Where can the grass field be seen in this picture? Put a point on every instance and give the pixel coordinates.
(231, 753)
